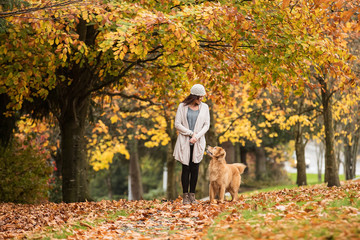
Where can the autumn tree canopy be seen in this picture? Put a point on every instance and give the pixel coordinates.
(64, 56)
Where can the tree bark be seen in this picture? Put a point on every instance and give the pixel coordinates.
(72, 107)
(300, 156)
(171, 192)
(134, 171)
(350, 153)
(331, 169)
(109, 184)
(319, 155)
(7, 124)
(243, 158)
(300, 150)
(260, 167)
(237, 152)
(73, 152)
(230, 151)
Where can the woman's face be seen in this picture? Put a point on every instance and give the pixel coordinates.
(198, 100)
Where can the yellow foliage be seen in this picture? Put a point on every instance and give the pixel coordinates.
(114, 119)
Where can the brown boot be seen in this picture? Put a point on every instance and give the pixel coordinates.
(186, 199)
(192, 198)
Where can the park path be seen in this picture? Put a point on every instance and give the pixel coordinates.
(121, 219)
(157, 220)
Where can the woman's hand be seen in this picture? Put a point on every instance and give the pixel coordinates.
(193, 139)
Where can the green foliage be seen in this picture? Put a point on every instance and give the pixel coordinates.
(312, 178)
(152, 171)
(9, 5)
(55, 191)
(24, 174)
(117, 174)
(2, 25)
(151, 164)
(275, 176)
(155, 194)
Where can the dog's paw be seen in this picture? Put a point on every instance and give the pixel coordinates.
(213, 201)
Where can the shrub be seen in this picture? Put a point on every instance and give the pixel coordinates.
(55, 189)
(24, 173)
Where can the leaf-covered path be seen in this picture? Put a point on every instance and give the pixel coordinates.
(302, 213)
(108, 219)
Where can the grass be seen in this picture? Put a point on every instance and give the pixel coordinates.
(312, 179)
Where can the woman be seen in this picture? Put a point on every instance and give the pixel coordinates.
(192, 122)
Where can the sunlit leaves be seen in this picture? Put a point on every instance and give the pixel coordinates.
(102, 147)
(157, 134)
(34, 134)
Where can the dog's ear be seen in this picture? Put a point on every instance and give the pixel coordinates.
(223, 153)
(220, 152)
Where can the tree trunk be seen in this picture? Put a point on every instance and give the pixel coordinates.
(134, 171)
(331, 169)
(260, 167)
(73, 152)
(211, 138)
(350, 153)
(300, 150)
(319, 155)
(243, 158)
(300, 156)
(237, 152)
(72, 107)
(171, 192)
(7, 124)
(230, 151)
(109, 185)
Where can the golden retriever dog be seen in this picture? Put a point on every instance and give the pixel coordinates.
(223, 177)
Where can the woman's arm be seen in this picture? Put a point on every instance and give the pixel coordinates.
(206, 124)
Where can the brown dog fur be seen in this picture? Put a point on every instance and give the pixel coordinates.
(223, 177)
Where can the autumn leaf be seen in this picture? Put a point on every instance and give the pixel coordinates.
(285, 3)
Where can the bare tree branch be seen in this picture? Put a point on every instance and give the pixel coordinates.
(133, 96)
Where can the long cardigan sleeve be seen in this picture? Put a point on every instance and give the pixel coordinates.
(182, 146)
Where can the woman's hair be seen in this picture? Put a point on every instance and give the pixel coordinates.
(190, 99)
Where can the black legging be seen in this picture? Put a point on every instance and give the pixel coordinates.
(189, 173)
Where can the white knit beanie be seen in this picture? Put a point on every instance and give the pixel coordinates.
(198, 90)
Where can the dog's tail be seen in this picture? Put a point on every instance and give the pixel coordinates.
(240, 166)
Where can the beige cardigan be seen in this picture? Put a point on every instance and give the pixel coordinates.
(182, 146)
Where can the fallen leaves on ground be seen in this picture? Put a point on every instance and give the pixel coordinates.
(108, 219)
(310, 212)
(305, 212)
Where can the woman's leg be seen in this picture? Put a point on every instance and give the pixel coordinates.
(194, 171)
(185, 174)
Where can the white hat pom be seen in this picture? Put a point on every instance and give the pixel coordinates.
(198, 90)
